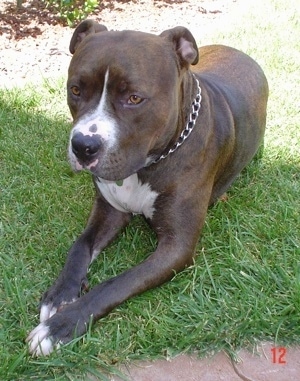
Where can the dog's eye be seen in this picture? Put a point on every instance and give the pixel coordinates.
(134, 100)
(75, 91)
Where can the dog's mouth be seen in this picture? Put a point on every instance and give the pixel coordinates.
(113, 166)
(89, 167)
(101, 158)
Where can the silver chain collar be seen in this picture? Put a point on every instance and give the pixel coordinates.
(189, 126)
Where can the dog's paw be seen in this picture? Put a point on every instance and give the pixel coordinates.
(69, 321)
(39, 341)
(48, 310)
(59, 295)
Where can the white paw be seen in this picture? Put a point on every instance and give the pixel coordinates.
(40, 344)
(47, 310)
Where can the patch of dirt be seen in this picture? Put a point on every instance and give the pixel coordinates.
(35, 45)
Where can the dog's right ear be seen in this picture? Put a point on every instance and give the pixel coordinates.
(85, 28)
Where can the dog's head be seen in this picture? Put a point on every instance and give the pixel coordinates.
(124, 93)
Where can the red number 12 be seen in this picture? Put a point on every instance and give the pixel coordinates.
(278, 355)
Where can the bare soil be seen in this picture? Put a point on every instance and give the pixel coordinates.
(34, 43)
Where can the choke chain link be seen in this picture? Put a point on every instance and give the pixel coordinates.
(189, 126)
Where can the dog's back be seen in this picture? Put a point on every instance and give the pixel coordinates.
(236, 86)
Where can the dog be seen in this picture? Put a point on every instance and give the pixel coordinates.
(164, 129)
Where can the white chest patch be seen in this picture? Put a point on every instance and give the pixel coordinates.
(129, 196)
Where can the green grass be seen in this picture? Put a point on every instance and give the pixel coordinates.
(245, 283)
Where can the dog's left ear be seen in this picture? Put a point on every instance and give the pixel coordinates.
(85, 28)
(184, 44)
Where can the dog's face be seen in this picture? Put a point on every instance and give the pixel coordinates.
(123, 96)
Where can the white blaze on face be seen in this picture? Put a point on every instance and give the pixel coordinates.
(97, 122)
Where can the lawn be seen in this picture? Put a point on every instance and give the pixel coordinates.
(245, 284)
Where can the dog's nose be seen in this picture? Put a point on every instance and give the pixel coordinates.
(85, 147)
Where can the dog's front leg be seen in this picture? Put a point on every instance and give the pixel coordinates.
(73, 319)
(175, 250)
(103, 225)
